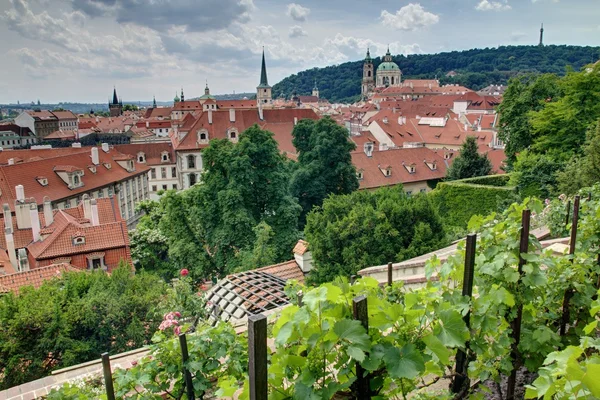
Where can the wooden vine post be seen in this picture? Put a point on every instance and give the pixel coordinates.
(568, 212)
(461, 356)
(187, 376)
(516, 323)
(362, 387)
(569, 292)
(108, 381)
(389, 274)
(257, 356)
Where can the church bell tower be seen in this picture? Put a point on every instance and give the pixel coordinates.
(368, 80)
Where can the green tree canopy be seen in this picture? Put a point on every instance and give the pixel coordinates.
(73, 320)
(469, 164)
(583, 171)
(523, 95)
(324, 163)
(534, 174)
(366, 228)
(211, 228)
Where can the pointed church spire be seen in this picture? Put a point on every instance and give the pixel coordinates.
(115, 98)
(153, 101)
(263, 72)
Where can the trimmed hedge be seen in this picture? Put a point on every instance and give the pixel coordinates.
(457, 201)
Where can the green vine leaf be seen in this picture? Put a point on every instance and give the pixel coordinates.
(451, 329)
(406, 362)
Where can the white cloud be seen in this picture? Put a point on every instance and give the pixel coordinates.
(297, 12)
(486, 5)
(409, 18)
(296, 31)
(352, 47)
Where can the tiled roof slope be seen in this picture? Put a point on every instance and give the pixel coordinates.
(34, 277)
(26, 173)
(398, 160)
(33, 155)
(286, 271)
(278, 121)
(152, 151)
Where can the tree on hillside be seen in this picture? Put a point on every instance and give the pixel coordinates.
(241, 211)
(367, 228)
(469, 164)
(523, 95)
(561, 125)
(74, 319)
(324, 163)
(582, 171)
(130, 107)
(534, 175)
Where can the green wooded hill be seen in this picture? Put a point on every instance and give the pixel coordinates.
(476, 69)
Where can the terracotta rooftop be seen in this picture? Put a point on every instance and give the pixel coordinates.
(301, 247)
(34, 277)
(152, 151)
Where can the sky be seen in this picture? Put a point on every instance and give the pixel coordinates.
(77, 50)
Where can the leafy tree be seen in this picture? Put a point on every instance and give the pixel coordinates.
(469, 164)
(582, 171)
(523, 95)
(366, 228)
(324, 163)
(130, 107)
(562, 124)
(73, 320)
(534, 174)
(241, 213)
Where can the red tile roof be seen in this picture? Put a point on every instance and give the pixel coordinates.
(301, 247)
(237, 104)
(187, 105)
(64, 115)
(34, 277)
(25, 174)
(397, 159)
(164, 112)
(152, 151)
(286, 271)
(33, 155)
(63, 135)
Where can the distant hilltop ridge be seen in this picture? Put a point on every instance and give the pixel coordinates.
(475, 69)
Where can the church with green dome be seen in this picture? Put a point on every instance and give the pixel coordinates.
(388, 74)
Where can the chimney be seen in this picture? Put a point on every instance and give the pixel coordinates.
(35, 221)
(231, 115)
(48, 214)
(97, 119)
(302, 256)
(385, 120)
(94, 206)
(11, 161)
(23, 261)
(478, 128)
(210, 117)
(20, 193)
(400, 121)
(87, 207)
(147, 124)
(105, 147)
(95, 156)
(7, 216)
(295, 121)
(10, 247)
(260, 114)
(466, 126)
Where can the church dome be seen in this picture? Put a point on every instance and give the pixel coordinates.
(388, 66)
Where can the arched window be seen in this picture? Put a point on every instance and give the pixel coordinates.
(76, 180)
(369, 74)
(232, 135)
(141, 158)
(191, 162)
(192, 179)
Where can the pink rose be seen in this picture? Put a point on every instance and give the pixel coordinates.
(184, 272)
(177, 330)
(177, 314)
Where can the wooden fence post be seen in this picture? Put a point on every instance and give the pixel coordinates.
(516, 323)
(300, 297)
(469, 273)
(362, 387)
(187, 376)
(568, 212)
(389, 271)
(257, 356)
(569, 292)
(108, 381)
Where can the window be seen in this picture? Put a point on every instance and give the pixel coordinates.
(165, 157)
(78, 240)
(359, 175)
(423, 190)
(164, 187)
(152, 173)
(76, 180)
(192, 178)
(163, 173)
(232, 135)
(154, 188)
(100, 193)
(409, 193)
(110, 191)
(369, 74)
(96, 263)
(174, 186)
(173, 172)
(191, 161)
(160, 130)
(203, 136)
(141, 158)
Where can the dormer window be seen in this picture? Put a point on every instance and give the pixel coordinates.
(42, 180)
(447, 155)
(360, 175)
(92, 168)
(78, 240)
(232, 134)
(203, 136)
(164, 156)
(431, 164)
(141, 158)
(386, 170)
(107, 165)
(130, 165)
(411, 168)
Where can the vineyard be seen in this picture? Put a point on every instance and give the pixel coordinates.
(501, 304)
